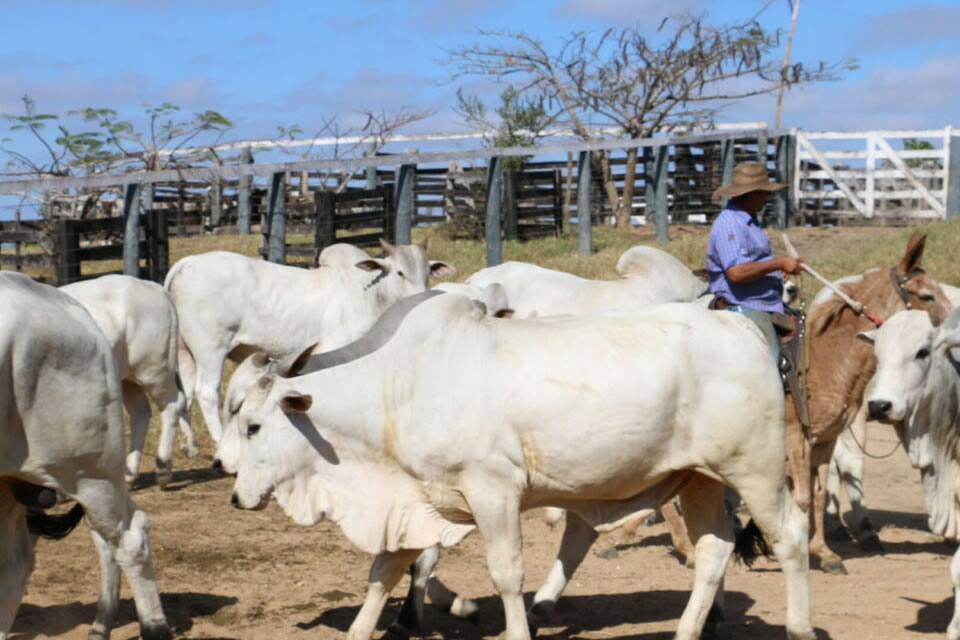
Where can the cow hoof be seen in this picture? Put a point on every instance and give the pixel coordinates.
(190, 451)
(838, 534)
(156, 632)
(539, 615)
(870, 544)
(834, 568)
(464, 608)
(610, 553)
(164, 474)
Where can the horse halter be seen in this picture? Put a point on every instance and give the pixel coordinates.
(898, 283)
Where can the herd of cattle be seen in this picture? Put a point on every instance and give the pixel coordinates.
(411, 417)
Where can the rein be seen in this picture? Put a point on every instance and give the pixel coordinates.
(863, 448)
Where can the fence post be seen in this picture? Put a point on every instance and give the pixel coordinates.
(131, 231)
(159, 244)
(277, 216)
(243, 195)
(216, 202)
(492, 226)
(372, 178)
(389, 214)
(953, 178)
(510, 222)
(68, 264)
(762, 148)
(326, 233)
(584, 214)
(657, 193)
(404, 203)
(786, 152)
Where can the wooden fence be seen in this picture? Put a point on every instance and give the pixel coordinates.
(674, 182)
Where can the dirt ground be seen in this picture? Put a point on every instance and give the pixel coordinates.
(228, 574)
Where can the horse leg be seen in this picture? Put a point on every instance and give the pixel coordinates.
(851, 469)
(830, 562)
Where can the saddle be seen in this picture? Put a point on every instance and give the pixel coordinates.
(790, 328)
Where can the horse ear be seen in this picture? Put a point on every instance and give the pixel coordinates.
(914, 254)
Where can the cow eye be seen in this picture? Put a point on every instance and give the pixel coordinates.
(252, 430)
(923, 353)
(400, 273)
(926, 297)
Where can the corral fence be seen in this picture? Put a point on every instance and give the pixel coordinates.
(837, 178)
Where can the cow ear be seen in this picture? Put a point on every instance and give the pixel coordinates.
(373, 264)
(260, 360)
(295, 402)
(868, 336)
(441, 269)
(948, 338)
(294, 363)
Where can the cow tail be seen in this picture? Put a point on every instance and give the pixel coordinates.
(749, 545)
(54, 527)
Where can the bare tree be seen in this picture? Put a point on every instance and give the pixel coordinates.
(366, 140)
(622, 78)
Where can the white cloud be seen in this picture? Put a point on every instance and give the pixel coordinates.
(627, 12)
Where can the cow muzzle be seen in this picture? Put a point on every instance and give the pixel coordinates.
(879, 409)
(237, 503)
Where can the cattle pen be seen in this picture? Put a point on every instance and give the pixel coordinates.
(838, 178)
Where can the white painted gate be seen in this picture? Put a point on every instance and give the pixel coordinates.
(860, 174)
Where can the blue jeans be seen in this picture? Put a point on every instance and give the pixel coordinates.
(765, 323)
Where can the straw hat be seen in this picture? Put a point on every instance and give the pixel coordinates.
(747, 177)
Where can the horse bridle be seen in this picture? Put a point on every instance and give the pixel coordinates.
(898, 283)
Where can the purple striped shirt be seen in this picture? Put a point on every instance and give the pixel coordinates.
(735, 238)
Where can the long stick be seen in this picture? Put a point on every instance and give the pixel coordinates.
(859, 307)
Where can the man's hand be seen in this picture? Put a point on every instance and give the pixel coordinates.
(789, 264)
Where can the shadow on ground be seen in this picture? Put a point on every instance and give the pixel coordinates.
(181, 610)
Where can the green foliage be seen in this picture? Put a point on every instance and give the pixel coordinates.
(912, 144)
(521, 121)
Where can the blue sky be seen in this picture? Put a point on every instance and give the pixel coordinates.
(266, 63)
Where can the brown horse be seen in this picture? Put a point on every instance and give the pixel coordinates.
(839, 368)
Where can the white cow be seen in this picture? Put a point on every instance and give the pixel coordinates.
(493, 296)
(62, 429)
(140, 324)
(917, 388)
(230, 305)
(846, 468)
(648, 276)
(460, 421)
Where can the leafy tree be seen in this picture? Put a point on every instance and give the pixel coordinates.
(677, 80)
(521, 121)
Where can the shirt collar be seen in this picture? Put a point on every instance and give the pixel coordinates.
(741, 213)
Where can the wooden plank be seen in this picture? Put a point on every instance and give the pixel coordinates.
(33, 260)
(898, 162)
(269, 168)
(861, 174)
(30, 237)
(804, 142)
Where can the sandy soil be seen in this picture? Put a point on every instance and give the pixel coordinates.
(228, 574)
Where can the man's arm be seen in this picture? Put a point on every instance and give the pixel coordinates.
(750, 271)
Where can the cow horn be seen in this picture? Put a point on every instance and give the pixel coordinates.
(389, 248)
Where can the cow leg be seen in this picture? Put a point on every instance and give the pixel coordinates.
(497, 514)
(830, 562)
(832, 520)
(578, 537)
(109, 590)
(953, 629)
(16, 557)
(712, 537)
(784, 526)
(171, 403)
(385, 572)
(209, 376)
(121, 534)
(187, 382)
(138, 408)
(848, 457)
